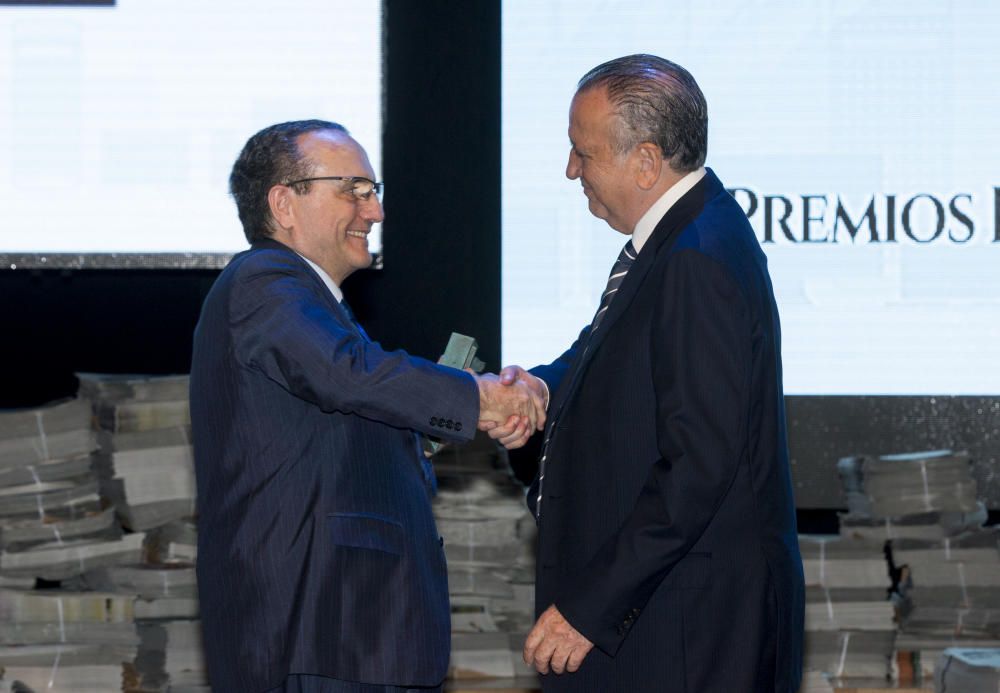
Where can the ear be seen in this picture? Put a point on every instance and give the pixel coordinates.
(649, 164)
(280, 200)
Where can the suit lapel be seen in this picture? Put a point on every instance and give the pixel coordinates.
(663, 237)
(338, 309)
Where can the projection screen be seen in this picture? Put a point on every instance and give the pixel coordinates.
(861, 140)
(120, 121)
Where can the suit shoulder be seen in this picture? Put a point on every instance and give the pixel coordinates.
(262, 274)
(265, 260)
(261, 267)
(722, 235)
(723, 232)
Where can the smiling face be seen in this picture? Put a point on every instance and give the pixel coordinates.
(328, 224)
(606, 175)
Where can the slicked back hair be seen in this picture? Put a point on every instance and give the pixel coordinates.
(270, 157)
(655, 101)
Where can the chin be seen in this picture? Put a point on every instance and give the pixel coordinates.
(598, 210)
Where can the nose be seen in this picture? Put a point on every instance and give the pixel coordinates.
(372, 211)
(573, 166)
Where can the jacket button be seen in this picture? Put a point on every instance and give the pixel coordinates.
(440, 541)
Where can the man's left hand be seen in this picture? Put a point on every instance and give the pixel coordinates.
(554, 644)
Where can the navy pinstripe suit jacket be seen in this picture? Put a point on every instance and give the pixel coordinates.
(317, 553)
(667, 532)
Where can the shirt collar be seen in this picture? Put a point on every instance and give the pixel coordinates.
(330, 284)
(649, 220)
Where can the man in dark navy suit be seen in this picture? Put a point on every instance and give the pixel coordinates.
(667, 552)
(319, 565)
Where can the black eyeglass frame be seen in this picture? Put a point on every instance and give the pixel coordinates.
(376, 186)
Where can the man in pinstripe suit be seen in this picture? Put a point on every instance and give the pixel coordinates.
(319, 565)
(667, 552)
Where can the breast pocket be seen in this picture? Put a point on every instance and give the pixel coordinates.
(366, 531)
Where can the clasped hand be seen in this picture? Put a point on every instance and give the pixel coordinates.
(511, 406)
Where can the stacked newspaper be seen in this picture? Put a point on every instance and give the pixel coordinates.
(54, 524)
(62, 640)
(488, 537)
(65, 668)
(952, 593)
(908, 484)
(968, 670)
(146, 467)
(124, 403)
(145, 459)
(926, 526)
(59, 431)
(163, 591)
(167, 583)
(170, 657)
(63, 560)
(945, 565)
(850, 628)
(59, 616)
(174, 542)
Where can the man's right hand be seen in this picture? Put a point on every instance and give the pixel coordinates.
(515, 431)
(506, 399)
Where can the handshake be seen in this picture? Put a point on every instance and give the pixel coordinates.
(511, 405)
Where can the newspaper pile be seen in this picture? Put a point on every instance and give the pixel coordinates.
(951, 590)
(66, 668)
(65, 640)
(891, 486)
(170, 658)
(53, 522)
(850, 628)
(54, 527)
(116, 608)
(145, 460)
(968, 670)
(162, 590)
(927, 495)
(146, 466)
(488, 537)
(58, 616)
(945, 564)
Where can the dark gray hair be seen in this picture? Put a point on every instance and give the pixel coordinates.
(655, 101)
(270, 157)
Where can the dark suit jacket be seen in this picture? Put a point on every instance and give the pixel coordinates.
(318, 553)
(667, 531)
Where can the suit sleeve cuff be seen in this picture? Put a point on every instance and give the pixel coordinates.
(607, 637)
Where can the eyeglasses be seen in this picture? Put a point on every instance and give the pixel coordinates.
(361, 187)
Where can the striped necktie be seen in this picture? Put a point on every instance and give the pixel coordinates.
(625, 259)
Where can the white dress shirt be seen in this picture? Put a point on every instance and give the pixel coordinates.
(330, 284)
(644, 229)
